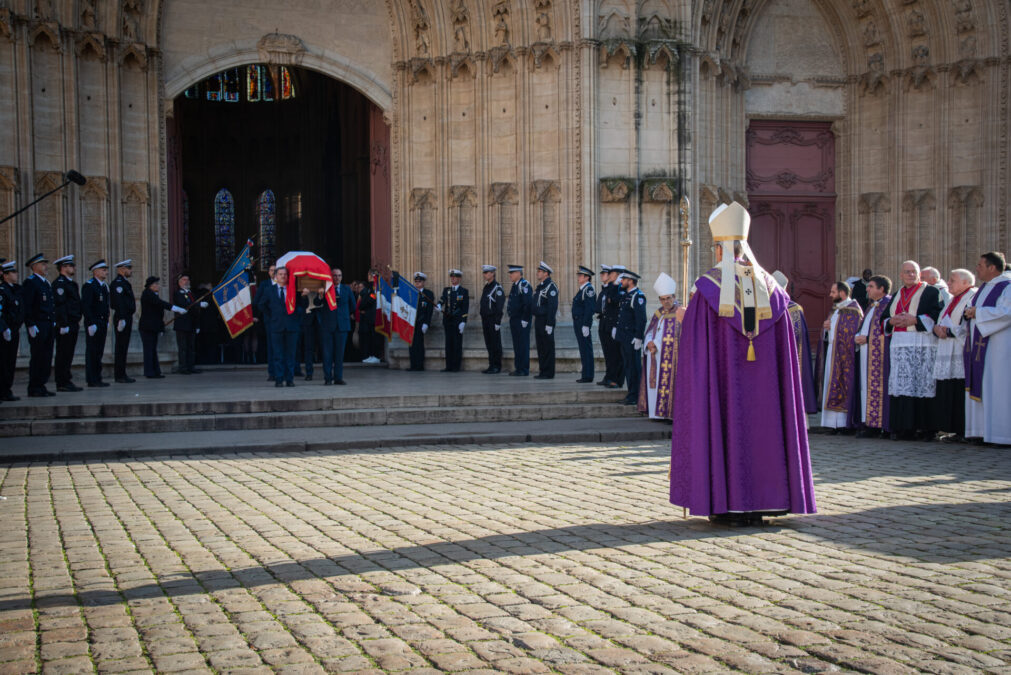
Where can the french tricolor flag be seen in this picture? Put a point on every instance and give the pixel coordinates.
(235, 303)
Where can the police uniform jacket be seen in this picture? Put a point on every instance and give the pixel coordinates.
(152, 311)
(367, 305)
(600, 301)
(455, 305)
(12, 311)
(521, 301)
(37, 299)
(67, 302)
(124, 305)
(584, 305)
(632, 316)
(493, 302)
(546, 301)
(95, 303)
(426, 305)
(188, 322)
(610, 303)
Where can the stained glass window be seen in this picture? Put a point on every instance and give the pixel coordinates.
(224, 229)
(232, 86)
(287, 85)
(186, 231)
(253, 83)
(214, 88)
(266, 217)
(256, 80)
(192, 92)
(266, 85)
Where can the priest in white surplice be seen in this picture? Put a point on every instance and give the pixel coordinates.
(988, 353)
(949, 368)
(660, 354)
(840, 329)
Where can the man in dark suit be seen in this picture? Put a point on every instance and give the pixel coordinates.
(124, 306)
(95, 308)
(186, 326)
(11, 317)
(423, 319)
(334, 328)
(67, 304)
(261, 294)
(455, 305)
(283, 327)
(40, 314)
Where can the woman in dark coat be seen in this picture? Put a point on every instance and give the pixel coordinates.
(152, 312)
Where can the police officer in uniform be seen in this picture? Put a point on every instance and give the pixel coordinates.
(605, 272)
(124, 306)
(492, 307)
(520, 310)
(11, 317)
(610, 303)
(545, 311)
(67, 304)
(454, 305)
(426, 305)
(95, 307)
(40, 314)
(584, 305)
(629, 333)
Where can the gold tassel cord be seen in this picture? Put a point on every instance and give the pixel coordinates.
(751, 349)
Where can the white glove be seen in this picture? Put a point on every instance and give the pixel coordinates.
(203, 305)
(178, 310)
(7, 335)
(64, 330)
(549, 329)
(498, 327)
(32, 331)
(614, 333)
(636, 344)
(92, 329)
(120, 325)
(586, 331)
(462, 324)
(424, 328)
(524, 323)
(198, 331)
(438, 308)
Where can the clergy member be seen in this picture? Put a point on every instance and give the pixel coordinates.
(949, 368)
(987, 354)
(741, 449)
(660, 360)
(803, 345)
(840, 329)
(870, 412)
(910, 319)
(932, 276)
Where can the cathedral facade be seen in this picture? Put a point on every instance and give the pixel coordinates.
(859, 133)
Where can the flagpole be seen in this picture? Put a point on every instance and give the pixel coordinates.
(211, 292)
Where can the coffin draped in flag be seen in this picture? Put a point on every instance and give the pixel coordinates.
(384, 309)
(232, 295)
(306, 264)
(405, 311)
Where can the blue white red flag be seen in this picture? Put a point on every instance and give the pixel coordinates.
(405, 311)
(232, 295)
(384, 309)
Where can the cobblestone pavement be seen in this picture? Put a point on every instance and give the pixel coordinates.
(518, 559)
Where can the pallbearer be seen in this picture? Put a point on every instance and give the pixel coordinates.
(740, 450)
(124, 306)
(583, 307)
(660, 357)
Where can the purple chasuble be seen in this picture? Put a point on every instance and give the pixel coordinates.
(842, 371)
(740, 438)
(974, 353)
(658, 371)
(804, 355)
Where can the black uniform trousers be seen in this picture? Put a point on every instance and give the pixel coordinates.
(492, 342)
(454, 345)
(149, 339)
(417, 350)
(367, 339)
(94, 348)
(521, 345)
(545, 347)
(186, 345)
(122, 339)
(632, 365)
(8, 362)
(309, 339)
(612, 356)
(65, 346)
(585, 353)
(41, 362)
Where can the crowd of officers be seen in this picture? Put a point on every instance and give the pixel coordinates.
(619, 305)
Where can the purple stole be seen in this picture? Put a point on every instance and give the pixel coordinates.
(974, 353)
(877, 369)
(668, 364)
(842, 371)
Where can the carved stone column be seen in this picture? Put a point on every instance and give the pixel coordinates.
(879, 251)
(921, 235)
(504, 198)
(545, 195)
(8, 190)
(423, 203)
(462, 216)
(95, 220)
(134, 238)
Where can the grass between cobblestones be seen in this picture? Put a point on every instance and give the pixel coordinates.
(519, 558)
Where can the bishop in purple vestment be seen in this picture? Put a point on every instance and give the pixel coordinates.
(740, 447)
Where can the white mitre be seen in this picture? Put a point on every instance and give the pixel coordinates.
(665, 285)
(730, 223)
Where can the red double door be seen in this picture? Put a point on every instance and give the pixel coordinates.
(791, 193)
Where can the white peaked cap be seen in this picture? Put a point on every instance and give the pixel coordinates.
(780, 279)
(665, 285)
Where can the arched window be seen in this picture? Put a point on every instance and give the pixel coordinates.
(287, 85)
(224, 229)
(266, 217)
(232, 85)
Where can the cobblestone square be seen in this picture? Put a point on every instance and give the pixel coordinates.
(518, 559)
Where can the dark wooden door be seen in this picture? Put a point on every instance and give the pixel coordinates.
(791, 190)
